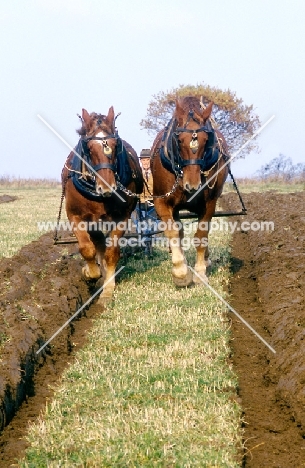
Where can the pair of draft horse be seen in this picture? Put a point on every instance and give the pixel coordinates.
(102, 179)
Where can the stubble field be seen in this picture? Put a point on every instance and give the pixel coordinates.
(164, 374)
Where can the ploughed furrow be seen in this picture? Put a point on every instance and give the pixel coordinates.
(267, 289)
(41, 288)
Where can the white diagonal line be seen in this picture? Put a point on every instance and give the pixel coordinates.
(232, 157)
(233, 310)
(79, 310)
(75, 152)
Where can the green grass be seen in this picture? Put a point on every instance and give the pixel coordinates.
(38, 201)
(18, 219)
(154, 385)
(253, 185)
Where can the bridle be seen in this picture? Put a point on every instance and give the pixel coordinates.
(84, 173)
(106, 150)
(172, 151)
(194, 145)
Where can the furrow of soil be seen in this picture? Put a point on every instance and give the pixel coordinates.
(41, 290)
(267, 289)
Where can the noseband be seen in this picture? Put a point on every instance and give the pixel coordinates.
(106, 149)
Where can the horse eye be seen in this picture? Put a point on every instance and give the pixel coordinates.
(99, 121)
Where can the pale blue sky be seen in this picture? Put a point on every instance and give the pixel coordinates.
(58, 56)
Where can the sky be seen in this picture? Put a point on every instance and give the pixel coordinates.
(59, 56)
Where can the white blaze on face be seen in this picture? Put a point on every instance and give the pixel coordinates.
(100, 135)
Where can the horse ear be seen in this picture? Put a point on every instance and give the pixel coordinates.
(206, 113)
(179, 110)
(85, 116)
(110, 117)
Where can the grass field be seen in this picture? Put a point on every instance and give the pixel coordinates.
(38, 201)
(19, 218)
(154, 387)
(256, 185)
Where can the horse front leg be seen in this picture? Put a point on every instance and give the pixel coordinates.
(201, 244)
(173, 231)
(181, 275)
(88, 251)
(98, 238)
(110, 261)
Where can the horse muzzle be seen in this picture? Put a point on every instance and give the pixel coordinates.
(191, 188)
(106, 191)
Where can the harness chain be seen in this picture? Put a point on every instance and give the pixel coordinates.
(55, 238)
(83, 174)
(120, 186)
(126, 190)
(206, 173)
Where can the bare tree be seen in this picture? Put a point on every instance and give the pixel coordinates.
(235, 120)
(281, 167)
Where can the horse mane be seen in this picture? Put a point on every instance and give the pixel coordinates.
(190, 103)
(94, 119)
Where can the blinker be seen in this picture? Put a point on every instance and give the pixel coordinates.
(194, 143)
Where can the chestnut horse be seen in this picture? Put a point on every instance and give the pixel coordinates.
(188, 162)
(101, 180)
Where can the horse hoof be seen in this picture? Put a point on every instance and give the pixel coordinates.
(86, 274)
(99, 283)
(200, 278)
(104, 301)
(185, 281)
(105, 298)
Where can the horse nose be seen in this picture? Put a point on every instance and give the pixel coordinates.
(191, 188)
(106, 191)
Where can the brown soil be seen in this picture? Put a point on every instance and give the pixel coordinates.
(7, 198)
(41, 288)
(267, 290)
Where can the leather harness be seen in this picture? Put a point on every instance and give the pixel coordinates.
(83, 172)
(170, 152)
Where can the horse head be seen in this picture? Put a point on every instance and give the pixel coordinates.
(191, 136)
(99, 139)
